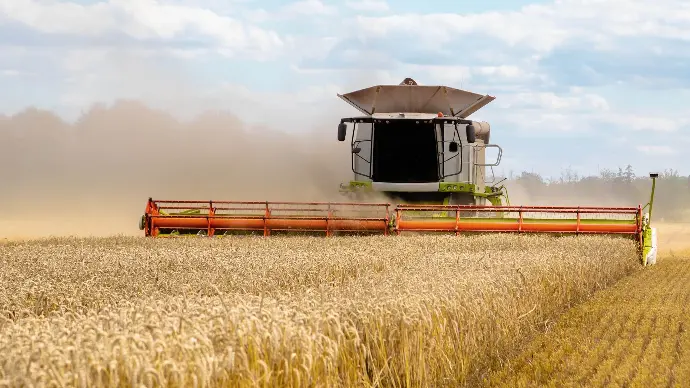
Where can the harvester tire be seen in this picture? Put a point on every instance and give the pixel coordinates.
(142, 222)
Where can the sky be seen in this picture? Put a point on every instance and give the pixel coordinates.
(579, 84)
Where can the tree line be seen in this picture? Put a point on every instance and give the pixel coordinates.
(621, 187)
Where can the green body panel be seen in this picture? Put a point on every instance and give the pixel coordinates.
(493, 194)
(456, 187)
(524, 220)
(189, 212)
(357, 185)
(647, 244)
(651, 199)
(647, 226)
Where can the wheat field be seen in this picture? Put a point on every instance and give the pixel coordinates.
(287, 311)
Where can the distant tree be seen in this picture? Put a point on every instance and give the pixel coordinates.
(530, 177)
(629, 174)
(619, 187)
(607, 175)
(569, 176)
(669, 173)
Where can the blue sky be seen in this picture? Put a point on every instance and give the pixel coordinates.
(580, 84)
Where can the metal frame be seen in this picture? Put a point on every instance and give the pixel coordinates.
(206, 217)
(371, 150)
(442, 166)
(498, 158)
(369, 119)
(437, 121)
(458, 223)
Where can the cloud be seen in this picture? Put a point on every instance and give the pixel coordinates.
(13, 73)
(636, 122)
(500, 75)
(309, 7)
(589, 71)
(368, 5)
(654, 69)
(572, 42)
(543, 27)
(552, 102)
(142, 20)
(656, 150)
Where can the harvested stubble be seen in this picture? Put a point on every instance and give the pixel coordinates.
(634, 334)
(409, 311)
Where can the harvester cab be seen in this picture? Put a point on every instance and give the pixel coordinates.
(415, 144)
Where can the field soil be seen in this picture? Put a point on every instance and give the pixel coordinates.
(635, 334)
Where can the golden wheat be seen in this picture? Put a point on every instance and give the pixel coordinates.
(293, 311)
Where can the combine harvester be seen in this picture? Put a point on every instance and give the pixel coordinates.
(416, 146)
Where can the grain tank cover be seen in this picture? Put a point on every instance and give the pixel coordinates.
(410, 97)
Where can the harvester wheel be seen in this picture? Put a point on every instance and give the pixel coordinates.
(142, 222)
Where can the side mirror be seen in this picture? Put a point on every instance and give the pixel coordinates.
(356, 150)
(453, 146)
(342, 131)
(471, 134)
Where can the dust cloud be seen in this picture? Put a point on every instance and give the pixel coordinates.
(673, 235)
(570, 195)
(93, 176)
(673, 238)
